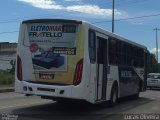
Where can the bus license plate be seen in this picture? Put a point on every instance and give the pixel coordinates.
(46, 76)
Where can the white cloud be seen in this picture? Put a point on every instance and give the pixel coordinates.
(92, 9)
(43, 4)
(87, 9)
(154, 50)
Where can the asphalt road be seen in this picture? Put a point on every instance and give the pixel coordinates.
(13, 106)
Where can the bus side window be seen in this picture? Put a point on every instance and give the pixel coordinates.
(92, 46)
(113, 58)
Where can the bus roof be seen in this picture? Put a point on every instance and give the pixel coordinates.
(105, 32)
(52, 20)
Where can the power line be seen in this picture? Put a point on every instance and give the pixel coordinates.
(27, 17)
(31, 17)
(127, 2)
(138, 17)
(131, 2)
(8, 32)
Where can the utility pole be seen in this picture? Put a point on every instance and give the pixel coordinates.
(113, 17)
(156, 29)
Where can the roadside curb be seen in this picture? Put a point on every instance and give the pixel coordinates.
(6, 90)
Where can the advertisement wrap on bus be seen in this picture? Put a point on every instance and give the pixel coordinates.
(56, 50)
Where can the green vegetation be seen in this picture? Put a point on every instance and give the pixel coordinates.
(6, 78)
(12, 70)
(153, 66)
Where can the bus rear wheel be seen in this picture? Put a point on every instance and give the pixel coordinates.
(114, 95)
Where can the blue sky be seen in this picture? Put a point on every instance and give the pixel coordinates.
(98, 12)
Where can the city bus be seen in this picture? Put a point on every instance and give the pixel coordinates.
(63, 59)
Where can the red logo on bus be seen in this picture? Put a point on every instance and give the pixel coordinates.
(33, 47)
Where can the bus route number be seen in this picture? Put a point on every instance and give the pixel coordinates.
(69, 28)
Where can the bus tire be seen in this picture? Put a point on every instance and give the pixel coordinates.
(136, 96)
(114, 95)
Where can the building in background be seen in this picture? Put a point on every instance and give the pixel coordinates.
(7, 53)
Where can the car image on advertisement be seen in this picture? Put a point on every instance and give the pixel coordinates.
(153, 80)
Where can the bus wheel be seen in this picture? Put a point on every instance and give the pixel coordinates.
(114, 95)
(136, 96)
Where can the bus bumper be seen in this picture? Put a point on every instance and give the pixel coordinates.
(43, 90)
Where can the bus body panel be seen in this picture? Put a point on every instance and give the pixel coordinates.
(57, 81)
(112, 77)
(25, 55)
(114, 72)
(36, 68)
(31, 78)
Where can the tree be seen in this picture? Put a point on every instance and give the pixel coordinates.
(12, 70)
(153, 66)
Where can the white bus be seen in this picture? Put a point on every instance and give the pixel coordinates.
(63, 59)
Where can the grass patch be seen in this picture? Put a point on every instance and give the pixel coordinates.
(6, 78)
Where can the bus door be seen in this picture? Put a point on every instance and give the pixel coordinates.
(101, 61)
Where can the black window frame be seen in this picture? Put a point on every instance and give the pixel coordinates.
(92, 46)
(112, 51)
